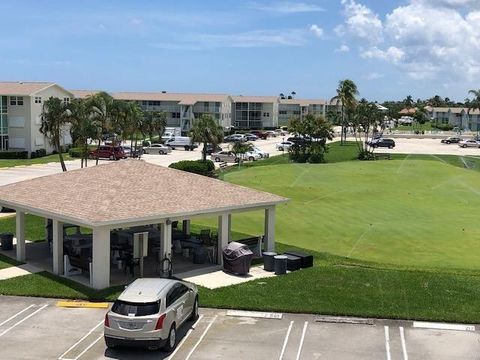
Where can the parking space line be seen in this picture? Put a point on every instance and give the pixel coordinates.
(301, 340)
(387, 343)
(404, 345)
(18, 313)
(286, 340)
(87, 348)
(185, 338)
(24, 319)
(61, 357)
(201, 337)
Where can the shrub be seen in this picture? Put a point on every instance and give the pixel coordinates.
(445, 127)
(38, 153)
(199, 167)
(365, 155)
(14, 155)
(76, 152)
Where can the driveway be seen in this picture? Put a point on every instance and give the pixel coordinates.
(35, 328)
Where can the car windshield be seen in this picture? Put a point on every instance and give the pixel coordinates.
(135, 309)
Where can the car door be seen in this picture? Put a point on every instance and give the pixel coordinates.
(175, 302)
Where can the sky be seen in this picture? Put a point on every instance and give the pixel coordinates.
(391, 49)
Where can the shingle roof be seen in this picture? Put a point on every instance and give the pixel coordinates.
(127, 191)
(303, 102)
(22, 88)
(255, 99)
(82, 94)
(183, 99)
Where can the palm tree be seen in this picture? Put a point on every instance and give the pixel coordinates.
(206, 130)
(282, 96)
(293, 94)
(473, 104)
(408, 102)
(346, 92)
(239, 149)
(54, 117)
(155, 123)
(83, 126)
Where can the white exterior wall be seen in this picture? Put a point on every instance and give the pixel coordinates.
(19, 120)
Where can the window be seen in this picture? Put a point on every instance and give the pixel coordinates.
(16, 100)
(38, 99)
(282, 112)
(266, 114)
(140, 309)
(66, 100)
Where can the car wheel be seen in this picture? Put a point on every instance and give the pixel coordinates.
(464, 146)
(172, 339)
(236, 160)
(280, 149)
(194, 314)
(251, 158)
(161, 152)
(112, 157)
(217, 159)
(390, 147)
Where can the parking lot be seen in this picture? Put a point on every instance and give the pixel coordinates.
(35, 328)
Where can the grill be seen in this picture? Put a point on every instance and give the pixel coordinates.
(237, 258)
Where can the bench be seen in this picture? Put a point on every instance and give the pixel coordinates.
(254, 244)
(384, 156)
(223, 165)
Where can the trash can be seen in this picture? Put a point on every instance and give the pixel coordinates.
(268, 261)
(280, 264)
(7, 241)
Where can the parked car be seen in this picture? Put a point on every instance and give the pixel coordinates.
(132, 153)
(167, 135)
(270, 133)
(108, 152)
(281, 132)
(296, 139)
(157, 149)
(235, 138)
(284, 145)
(451, 140)
(381, 142)
(224, 155)
(251, 156)
(251, 137)
(149, 312)
(211, 149)
(263, 154)
(181, 141)
(469, 143)
(260, 134)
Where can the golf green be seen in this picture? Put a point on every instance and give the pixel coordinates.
(419, 213)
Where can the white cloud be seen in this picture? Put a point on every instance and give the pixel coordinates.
(360, 22)
(425, 39)
(287, 7)
(343, 48)
(373, 76)
(316, 30)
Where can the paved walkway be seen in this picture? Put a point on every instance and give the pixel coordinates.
(16, 271)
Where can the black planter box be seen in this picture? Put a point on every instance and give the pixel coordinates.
(306, 259)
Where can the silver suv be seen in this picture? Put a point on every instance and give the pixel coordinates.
(149, 312)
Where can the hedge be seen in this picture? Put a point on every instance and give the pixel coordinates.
(200, 167)
(38, 153)
(14, 155)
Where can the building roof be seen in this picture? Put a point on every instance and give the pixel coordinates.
(303, 102)
(22, 88)
(82, 94)
(406, 111)
(129, 191)
(255, 99)
(182, 99)
(456, 110)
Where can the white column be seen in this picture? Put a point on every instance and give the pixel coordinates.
(101, 258)
(57, 247)
(269, 239)
(186, 227)
(20, 235)
(229, 227)
(46, 229)
(166, 240)
(223, 235)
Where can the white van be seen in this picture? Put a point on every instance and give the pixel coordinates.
(181, 141)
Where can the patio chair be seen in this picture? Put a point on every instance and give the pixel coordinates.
(205, 236)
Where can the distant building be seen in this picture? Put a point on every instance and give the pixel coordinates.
(21, 105)
(456, 116)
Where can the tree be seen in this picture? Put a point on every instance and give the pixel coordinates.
(54, 118)
(313, 132)
(408, 102)
(206, 130)
(420, 115)
(367, 117)
(239, 149)
(346, 92)
(473, 104)
(155, 123)
(83, 126)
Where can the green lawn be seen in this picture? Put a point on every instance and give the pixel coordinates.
(43, 160)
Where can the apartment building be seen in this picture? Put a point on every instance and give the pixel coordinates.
(20, 114)
(254, 112)
(289, 108)
(457, 117)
